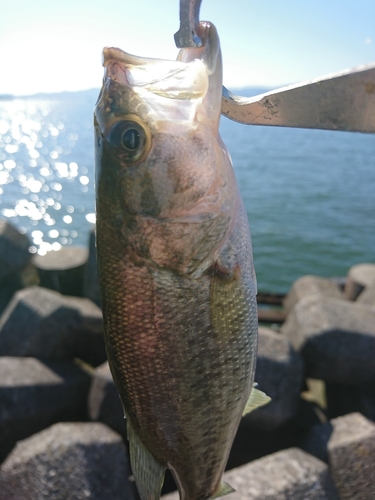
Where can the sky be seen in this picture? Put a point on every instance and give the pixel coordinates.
(54, 46)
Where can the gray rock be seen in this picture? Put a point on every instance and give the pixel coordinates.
(279, 373)
(359, 277)
(68, 461)
(104, 402)
(351, 452)
(14, 249)
(336, 339)
(42, 323)
(36, 394)
(62, 270)
(367, 297)
(317, 440)
(28, 276)
(310, 285)
(91, 279)
(344, 398)
(287, 475)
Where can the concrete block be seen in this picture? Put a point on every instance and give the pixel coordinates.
(36, 394)
(14, 249)
(335, 337)
(68, 461)
(62, 270)
(359, 277)
(344, 398)
(287, 475)
(42, 323)
(104, 403)
(316, 441)
(279, 373)
(310, 285)
(367, 296)
(27, 276)
(351, 453)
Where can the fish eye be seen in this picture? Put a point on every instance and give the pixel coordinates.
(129, 139)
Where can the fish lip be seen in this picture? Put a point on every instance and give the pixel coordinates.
(119, 55)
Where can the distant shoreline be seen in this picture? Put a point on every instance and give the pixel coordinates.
(46, 95)
(244, 91)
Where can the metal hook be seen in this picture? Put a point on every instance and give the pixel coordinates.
(187, 36)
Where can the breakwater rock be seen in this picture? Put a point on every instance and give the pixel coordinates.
(62, 430)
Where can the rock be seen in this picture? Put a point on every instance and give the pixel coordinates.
(358, 278)
(310, 285)
(367, 297)
(62, 270)
(42, 323)
(351, 453)
(68, 461)
(279, 373)
(345, 398)
(252, 443)
(104, 403)
(286, 475)
(18, 280)
(14, 249)
(336, 339)
(91, 279)
(317, 440)
(36, 394)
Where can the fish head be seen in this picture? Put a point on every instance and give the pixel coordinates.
(162, 171)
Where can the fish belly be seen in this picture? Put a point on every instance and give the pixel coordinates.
(182, 354)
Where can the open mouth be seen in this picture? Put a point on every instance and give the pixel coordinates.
(184, 78)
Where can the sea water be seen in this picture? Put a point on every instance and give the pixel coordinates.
(309, 194)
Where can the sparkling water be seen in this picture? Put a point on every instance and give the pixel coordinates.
(310, 195)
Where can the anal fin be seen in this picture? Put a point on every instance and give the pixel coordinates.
(225, 489)
(148, 472)
(256, 400)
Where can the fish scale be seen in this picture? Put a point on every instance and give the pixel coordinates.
(188, 380)
(176, 271)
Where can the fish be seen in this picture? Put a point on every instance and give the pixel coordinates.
(176, 273)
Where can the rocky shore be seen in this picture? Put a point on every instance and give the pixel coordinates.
(62, 431)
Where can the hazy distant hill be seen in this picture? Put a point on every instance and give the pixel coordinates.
(250, 91)
(92, 94)
(54, 95)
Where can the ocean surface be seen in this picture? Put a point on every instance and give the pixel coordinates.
(309, 194)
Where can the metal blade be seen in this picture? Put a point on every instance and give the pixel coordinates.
(341, 101)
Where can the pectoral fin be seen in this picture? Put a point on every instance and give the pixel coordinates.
(148, 473)
(225, 489)
(257, 399)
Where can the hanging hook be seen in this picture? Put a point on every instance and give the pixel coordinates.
(187, 36)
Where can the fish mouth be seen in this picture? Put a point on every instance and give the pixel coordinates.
(187, 77)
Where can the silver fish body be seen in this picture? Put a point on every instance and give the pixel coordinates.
(175, 262)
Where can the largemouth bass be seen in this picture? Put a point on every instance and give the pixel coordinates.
(176, 270)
